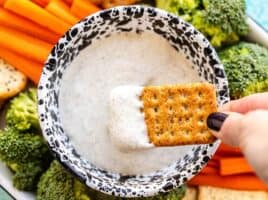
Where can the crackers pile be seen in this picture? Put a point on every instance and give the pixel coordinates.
(177, 114)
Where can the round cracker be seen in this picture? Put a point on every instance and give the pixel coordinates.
(11, 80)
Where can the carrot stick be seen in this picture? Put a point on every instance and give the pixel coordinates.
(24, 45)
(30, 68)
(213, 163)
(228, 150)
(42, 3)
(209, 170)
(239, 182)
(61, 10)
(2, 2)
(37, 14)
(14, 21)
(83, 8)
(69, 2)
(230, 166)
(215, 157)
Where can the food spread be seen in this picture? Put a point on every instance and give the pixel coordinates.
(126, 58)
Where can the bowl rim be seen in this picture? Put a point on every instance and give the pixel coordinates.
(42, 94)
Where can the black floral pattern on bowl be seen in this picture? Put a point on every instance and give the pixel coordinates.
(184, 38)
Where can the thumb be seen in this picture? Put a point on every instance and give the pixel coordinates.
(248, 131)
(226, 126)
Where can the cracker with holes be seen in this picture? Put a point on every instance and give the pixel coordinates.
(11, 81)
(145, 117)
(176, 114)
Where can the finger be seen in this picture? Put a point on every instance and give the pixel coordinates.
(231, 129)
(226, 127)
(247, 131)
(246, 104)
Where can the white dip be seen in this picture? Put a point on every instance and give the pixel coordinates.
(123, 59)
(127, 127)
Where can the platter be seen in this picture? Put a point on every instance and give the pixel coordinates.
(257, 34)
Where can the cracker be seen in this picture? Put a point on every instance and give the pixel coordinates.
(215, 193)
(11, 81)
(191, 194)
(176, 114)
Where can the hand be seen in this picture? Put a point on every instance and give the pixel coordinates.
(244, 123)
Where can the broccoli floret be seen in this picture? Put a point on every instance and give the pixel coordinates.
(57, 183)
(222, 21)
(16, 147)
(22, 113)
(26, 154)
(182, 8)
(26, 175)
(216, 36)
(246, 67)
(22, 147)
(229, 15)
(175, 194)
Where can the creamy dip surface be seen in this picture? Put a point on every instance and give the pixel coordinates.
(127, 127)
(122, 59)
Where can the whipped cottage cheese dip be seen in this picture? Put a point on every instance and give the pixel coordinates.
(127, 127)
(122, 59)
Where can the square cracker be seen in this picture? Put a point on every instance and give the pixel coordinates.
(215, 193)
(177, 114)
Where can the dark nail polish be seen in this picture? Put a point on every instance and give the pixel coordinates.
(215, 120)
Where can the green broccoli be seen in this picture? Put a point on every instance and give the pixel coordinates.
(57, 183)
(26, 154)
(222, 21)
(183, 8)
(22, 113)
(26, 175)
(18, 147)
(246, 67)
(216, 36)
(229, 15)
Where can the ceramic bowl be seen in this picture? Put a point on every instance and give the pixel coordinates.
(138, 19)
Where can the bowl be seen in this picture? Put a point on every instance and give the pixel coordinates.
(137, 19)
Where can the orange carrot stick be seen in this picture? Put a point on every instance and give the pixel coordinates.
(37, 14)
(2, 2)
(69, 2)
(230, 166)
(30, 68)
(228, 150)
(209, 170)
(14, 21)
(239, 182)
(24, 45)
(213, 163)
(83, 8)
(61, 10)
(42, 3)
(216, 157)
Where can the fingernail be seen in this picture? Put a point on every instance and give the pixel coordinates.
(215, 120)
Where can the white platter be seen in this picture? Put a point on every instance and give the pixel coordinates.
(257, 34)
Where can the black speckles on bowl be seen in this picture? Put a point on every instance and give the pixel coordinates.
(138, 19)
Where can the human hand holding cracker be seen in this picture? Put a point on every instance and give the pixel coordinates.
(245, 125)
